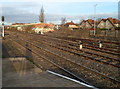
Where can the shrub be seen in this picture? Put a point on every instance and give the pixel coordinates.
(103, 29)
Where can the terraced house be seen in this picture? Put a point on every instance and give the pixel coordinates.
(109, 23)
(87, 24)
(83, 24)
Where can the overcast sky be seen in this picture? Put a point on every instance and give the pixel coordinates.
(27, 11)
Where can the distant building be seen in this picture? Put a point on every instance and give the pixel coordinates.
(57, 26)
(87, 24)
(83, 24)
(43, 27)
(18, 23)
(101, 23)
(109, 23)
(71, 25)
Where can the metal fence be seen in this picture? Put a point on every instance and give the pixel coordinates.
(108, 33)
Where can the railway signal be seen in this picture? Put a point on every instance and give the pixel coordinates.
(80, 44)
(3, 25)
(100, 44)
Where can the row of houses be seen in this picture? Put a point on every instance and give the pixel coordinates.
(43, 27)
(109, 23)
(34, 27)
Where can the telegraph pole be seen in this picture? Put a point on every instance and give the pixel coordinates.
(95, 19)
(3, 26)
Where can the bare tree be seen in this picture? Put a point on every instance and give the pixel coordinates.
(42, 17)
(63, 20)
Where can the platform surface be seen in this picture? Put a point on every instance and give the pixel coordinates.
(19, 72)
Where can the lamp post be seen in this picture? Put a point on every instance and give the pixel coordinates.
(95, 19)
(3, 26)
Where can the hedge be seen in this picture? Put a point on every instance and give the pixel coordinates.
(103, 29)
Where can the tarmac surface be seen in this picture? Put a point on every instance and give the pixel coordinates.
(19, 72)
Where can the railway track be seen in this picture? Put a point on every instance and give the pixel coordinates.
(96, 57)
(75, 44)
(67, 49)
(60, 69)
(114, 80)
(91, 44)
(94, 44)
(104, 59)
(105, 38)
(76, 51)
(93, 40)
(76, 48)
(69, 60)
(65, 59)
(88, 46)
(110, 45)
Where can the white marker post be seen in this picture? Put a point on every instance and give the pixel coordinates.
(3, 26)
(100, 44)
(42, 31)
(80, 44)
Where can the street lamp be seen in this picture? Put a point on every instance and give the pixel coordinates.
(95, 18)
(3, 26)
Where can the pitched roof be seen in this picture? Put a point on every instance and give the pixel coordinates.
(90, 21)
(43, 25)
(18, 23)
(83, 21)
(113, 20)
(70, 23)
(101, 20)
(98, 21)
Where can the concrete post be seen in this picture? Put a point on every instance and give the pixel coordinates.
(100, 44)
(42, 31)
(80, 45)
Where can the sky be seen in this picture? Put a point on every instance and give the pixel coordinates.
(27, 11)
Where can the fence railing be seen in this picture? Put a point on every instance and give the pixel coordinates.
(108, 33)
